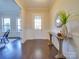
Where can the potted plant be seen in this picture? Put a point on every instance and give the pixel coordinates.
(62, 19)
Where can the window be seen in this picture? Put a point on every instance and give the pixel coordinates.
(5, 24)
(37, 22)
(19, 24)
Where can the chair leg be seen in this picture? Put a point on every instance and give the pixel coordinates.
(1, 40)
(4, 41)
(7, 40)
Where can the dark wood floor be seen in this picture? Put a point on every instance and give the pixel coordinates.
(38, 49)
(12, 50)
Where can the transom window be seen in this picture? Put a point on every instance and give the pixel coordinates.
(37, 22)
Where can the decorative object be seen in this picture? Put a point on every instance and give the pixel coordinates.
(61, 22)
(60, 38)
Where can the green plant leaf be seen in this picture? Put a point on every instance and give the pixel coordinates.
(63, 16)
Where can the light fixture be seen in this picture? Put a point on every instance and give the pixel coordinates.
(41, 1)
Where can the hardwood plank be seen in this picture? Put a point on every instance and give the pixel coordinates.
(12, 50)
(38, 49)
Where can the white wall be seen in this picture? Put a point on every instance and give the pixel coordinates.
(73, 26)
(28, 24)
(9, 9)
(13, 16)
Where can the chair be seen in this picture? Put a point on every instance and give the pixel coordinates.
(4, 38)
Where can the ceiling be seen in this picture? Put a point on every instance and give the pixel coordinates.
(8, 6)
(36, 3)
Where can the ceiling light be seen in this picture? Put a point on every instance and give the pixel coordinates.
(40, 0)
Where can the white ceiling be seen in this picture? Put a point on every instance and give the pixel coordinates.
(8, 6)
(38, 3)
(35, 3)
